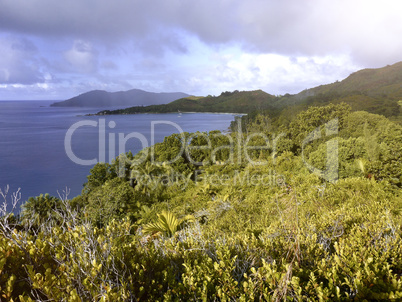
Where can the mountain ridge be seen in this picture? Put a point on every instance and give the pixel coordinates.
(375, 90)
(368, 80)
(132, 97)
(235, 102)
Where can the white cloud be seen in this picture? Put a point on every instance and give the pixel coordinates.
(82, 57)
(4, 75)
(232, 69)
(19, 61)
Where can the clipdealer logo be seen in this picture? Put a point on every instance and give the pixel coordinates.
(240, 144)
(239, 149)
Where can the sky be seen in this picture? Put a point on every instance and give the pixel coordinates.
(55, 50)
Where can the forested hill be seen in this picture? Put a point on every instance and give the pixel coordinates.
(376, 91)
(236, 102)
(373, 82)
(133, 97)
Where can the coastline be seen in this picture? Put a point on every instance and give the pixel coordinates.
(182, 112)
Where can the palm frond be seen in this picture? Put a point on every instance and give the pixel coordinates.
(167, 224)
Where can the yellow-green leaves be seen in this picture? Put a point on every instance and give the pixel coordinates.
(167, 224)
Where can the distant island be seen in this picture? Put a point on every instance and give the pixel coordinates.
(375, 90)
(133, 97)
(229, 102)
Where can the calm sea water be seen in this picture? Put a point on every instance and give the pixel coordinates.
(32, 142)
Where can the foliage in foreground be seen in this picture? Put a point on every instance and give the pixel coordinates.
(228, 230)
(342, 244)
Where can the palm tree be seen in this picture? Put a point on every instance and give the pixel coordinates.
(39, 209)
(167, 224)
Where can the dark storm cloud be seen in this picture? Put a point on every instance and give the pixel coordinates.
(75, 17)
(208, 46)
(290, 27)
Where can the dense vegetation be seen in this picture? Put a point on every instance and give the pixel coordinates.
(212, 216)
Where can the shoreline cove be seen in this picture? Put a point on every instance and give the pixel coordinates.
(33, 152)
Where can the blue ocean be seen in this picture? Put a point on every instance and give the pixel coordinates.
(47, 149)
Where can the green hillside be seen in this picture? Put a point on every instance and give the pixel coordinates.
(385, 81)
(373, 90)
(240, 216)
(235, 102)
